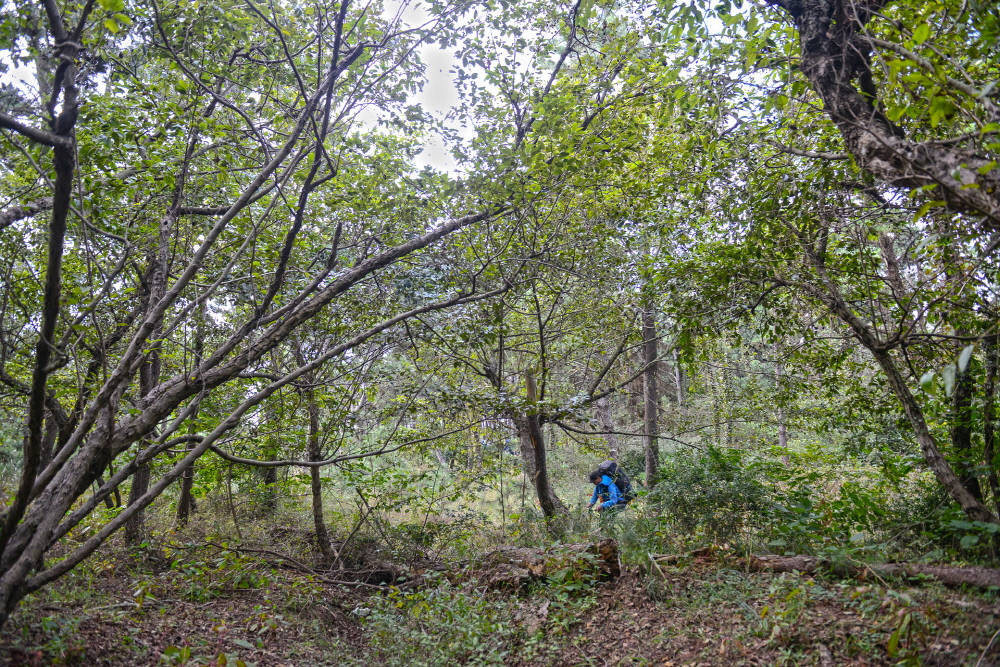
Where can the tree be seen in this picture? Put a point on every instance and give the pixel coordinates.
(243, 152)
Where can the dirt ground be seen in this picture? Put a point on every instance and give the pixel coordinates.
(703, 613)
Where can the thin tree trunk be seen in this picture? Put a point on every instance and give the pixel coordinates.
(135, 527)
(961, 433)
(185, 503)
(149, 377)
(270, 484)
(149, 371)
(650, 396)
(603, 409)
(989, 418)
(529, 429)
(779, 369)
(108, 502)
(678, 377)
(319, 524)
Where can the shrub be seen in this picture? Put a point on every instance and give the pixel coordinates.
(717, 491)
(439, 626)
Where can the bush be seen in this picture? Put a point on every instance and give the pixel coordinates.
(716, 491)
(439, 626)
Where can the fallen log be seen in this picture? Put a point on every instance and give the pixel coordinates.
(980, 577)
(515, 567)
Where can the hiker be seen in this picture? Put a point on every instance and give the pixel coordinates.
(611, 487)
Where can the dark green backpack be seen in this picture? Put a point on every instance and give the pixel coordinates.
(618, 476)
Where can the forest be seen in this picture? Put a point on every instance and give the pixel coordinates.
(319, 321)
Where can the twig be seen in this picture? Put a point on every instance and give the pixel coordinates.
(296, 565)
(987, 649)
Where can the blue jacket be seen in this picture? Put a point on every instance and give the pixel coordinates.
(608, 492)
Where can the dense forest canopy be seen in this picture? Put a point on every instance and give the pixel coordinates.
(673, 234)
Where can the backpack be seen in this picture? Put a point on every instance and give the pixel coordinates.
(621, 480)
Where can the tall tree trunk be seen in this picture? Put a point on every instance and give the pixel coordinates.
(185, 503)
(779, 369)
(149, 377)
(149, 371)
(315, 454)
(529, 431)
(678, 377)
(961, 433)
(603, 410)
(989, 418)
(651, 401)
(270, 484)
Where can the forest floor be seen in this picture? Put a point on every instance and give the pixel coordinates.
(209, 606)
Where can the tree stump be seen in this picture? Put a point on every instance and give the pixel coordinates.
(516, 567)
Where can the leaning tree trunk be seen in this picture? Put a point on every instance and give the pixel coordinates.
(830, 295)
(651, 431)
(932, 455)
(836, 59)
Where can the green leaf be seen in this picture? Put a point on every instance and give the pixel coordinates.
(243, 643)
(926, 207)
(893, 646)
(969, 541)
(927, 380)
(921, 33)
(948, 374)
(112, 26)
(963, 359)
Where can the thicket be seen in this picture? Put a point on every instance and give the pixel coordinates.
(689, 237)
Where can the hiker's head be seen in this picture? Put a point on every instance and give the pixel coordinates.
(595, 477)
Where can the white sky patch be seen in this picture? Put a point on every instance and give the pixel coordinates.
(438, 97)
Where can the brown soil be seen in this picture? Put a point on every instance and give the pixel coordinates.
(698, 613)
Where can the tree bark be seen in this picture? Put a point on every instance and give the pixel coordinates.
(980, 577)
(603, 410)
(651, 400)
(316, 486)
(961, 433)
(185, 503)
(835, 53)
(529, 431)
(515, 567)
(678, 377)
(989, 418)
(782, 426)
(149, 370)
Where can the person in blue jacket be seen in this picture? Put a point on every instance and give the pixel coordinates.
(606, 493)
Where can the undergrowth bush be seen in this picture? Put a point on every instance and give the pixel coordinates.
(716, 491)
(439, 625)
